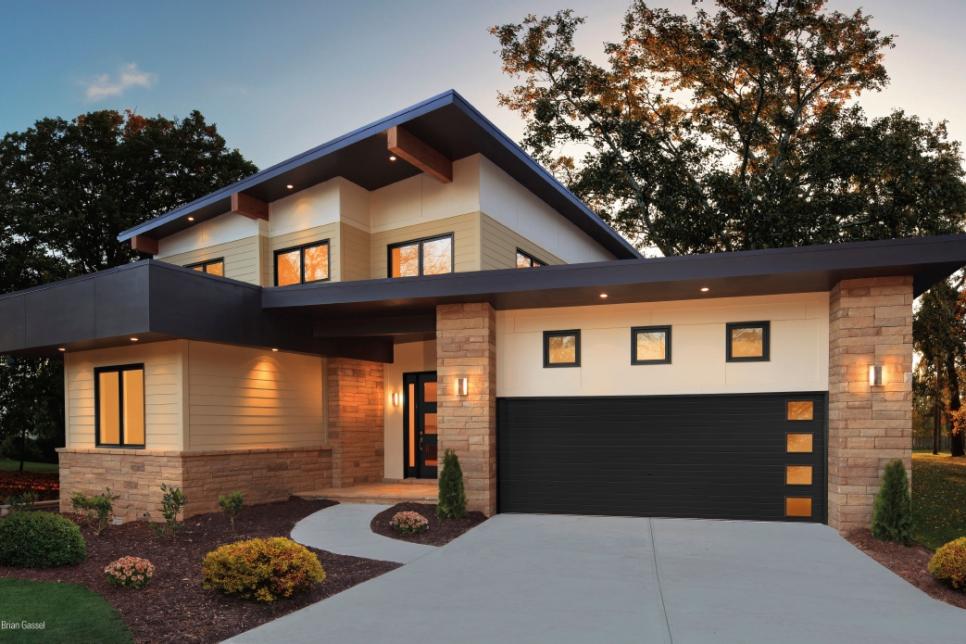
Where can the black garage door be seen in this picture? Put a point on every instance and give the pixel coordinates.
(721, 456)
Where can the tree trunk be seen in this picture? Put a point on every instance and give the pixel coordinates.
(936, 423)
(23, 448)
(956, 443)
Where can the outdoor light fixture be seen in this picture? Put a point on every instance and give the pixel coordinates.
(289, 186)
(392, 157)
(462, 386)
(274, 350)
(603, 296)
(62, 349)
(395, 399)
(875, 375)
(134, 339)
(190, 218)
(704, 289)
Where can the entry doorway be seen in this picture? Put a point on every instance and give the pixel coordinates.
(420, 459)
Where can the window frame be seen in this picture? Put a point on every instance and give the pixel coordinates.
(764, 325)
(546, 349)
(302, 248)
(534, 261)
(420, 242)
(205, 264)
(666, 329)
(118, 369)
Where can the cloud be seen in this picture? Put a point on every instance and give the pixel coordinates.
(107, 85)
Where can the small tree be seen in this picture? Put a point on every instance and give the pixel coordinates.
(172, 502)
(452, 496)
(892, 513)
(97, 509)
(231, 504)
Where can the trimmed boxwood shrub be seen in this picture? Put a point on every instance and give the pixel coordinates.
(948, 564)
(262, 569)
(40, 540)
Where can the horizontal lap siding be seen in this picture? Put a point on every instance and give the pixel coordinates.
(299, 238)
(678, 456)
(500, 244)
(466, 244)
(241, 258)
(355, 248)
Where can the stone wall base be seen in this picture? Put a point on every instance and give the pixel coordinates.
(136, 476)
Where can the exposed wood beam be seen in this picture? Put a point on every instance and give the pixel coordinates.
(406, 146)
(145, 245)
(248, 206)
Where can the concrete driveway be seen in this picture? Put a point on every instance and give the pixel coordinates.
(541, 578)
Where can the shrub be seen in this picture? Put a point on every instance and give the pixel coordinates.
(172, 503)
(948, 564)
(22, 502)
(231, 504)
(262, 569)
(97, 509)
(40, 540)
(452, 496)
(892, 512)
(409, 522)
(129, 572)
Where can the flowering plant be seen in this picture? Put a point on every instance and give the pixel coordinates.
(409, 522)
(129, 572)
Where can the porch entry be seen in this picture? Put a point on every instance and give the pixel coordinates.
(419, 425)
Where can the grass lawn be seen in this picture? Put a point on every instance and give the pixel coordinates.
(70, 613)
(7, 465)
(938, 498)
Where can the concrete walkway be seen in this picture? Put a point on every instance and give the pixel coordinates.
(344, 529)
(563, 579)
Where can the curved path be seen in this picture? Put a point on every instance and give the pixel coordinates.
(344, 529)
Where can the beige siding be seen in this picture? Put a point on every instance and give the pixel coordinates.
(499, 246)
(466, 233)
(307, 236)
(163, 400)
(355, 251)
(241, 398)
(241, 258)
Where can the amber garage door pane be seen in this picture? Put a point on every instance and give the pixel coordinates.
(133, 407)
(798, 475)
(747, 342)
(799, 443)
(405, 261)
(801, 410)
(562, 349)
(288, 267)
(797, 506)
(438, 256)
(651, 345)
(108, 411)
(317, 263)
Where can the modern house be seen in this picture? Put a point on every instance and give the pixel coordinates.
(421, 284)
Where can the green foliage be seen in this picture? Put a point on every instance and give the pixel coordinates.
(892, 512)
(262, 569)
(40, 540)
(172, 503)
(409, 522)
(70, 612)
(97, 509)
(22, 502)
(452, 496)
(948, 564)
(129, 572)
(231, 504)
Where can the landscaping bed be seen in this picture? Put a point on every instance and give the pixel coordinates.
(440, 531)
(44, 485)
(174, 607)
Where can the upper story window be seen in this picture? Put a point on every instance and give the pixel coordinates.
(211, 267)
(430, 256)
(302, 264)
(526, 260)
(748, 341)
(119, 406)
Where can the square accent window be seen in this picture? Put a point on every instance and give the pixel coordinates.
(431, 256)
(526, 260)
(302, 264)
(561, 348)
(798, 506)
(798, 443)
(800, 410)
(119, 406)
(651, 345)
(211, 267)
(747, 341)
(798, 475)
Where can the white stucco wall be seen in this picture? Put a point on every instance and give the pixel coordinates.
(410, 357)
(799, 348)
(219, 230)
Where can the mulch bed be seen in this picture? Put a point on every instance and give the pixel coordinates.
(909, 562)
(174, 607)
(440, 531)
(45, 486)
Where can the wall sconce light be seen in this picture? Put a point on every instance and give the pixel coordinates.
(395, 399)
(875, 375)
(462, 386)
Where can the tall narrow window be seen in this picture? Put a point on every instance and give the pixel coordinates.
(119, 406)
(651, 345)
(561, 348)
(526, 260)
(211, 267)
(302, 264)
(747, 341)
(431, 256)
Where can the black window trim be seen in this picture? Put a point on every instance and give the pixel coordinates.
(666, 329)
(546, 348)
(118, 369)
(302, 248)
(764, 325)
(208, 262)
(419, 242)
(534, 261)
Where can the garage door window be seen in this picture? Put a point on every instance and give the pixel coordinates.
(798, 475)
(747, 341)
(798, 506)
(561, 348)
(798, 443)
(800, 410)
(651, 345)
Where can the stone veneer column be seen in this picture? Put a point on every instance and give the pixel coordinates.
(356, 397)
(870, 322)
(466, 347)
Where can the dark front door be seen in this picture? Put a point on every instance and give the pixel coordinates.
(419, 425)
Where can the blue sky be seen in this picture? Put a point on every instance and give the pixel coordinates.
(280, 77)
